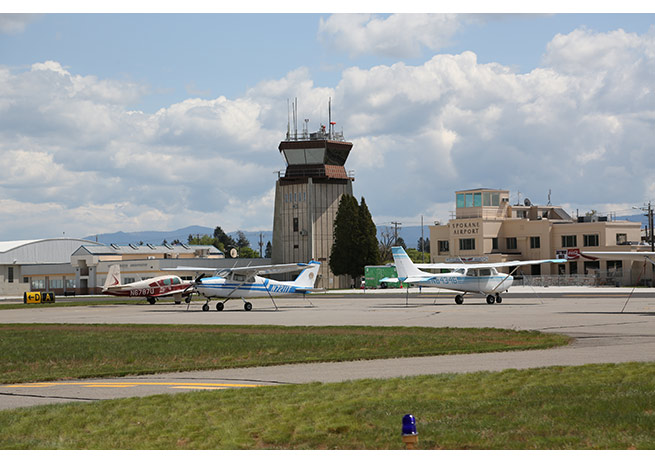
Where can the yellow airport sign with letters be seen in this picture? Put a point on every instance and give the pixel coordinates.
(38, 297)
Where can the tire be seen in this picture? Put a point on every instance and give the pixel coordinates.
(499, 299)
(205, 307)
(151, 300)
(491, 299)
(220, 306)
(247, 306)
(459, 300)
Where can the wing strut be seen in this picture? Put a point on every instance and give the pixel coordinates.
(272, 299)
(635, 286)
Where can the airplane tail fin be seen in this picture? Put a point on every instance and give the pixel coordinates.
(307, 277)
(113, 277)
(404, 265)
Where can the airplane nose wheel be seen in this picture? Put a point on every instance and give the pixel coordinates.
(459, 299)
(205, 307)
(491, 299)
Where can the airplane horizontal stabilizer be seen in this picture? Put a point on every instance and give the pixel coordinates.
(308, 290)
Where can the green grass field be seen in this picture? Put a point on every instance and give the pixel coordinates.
(588, 407)
(41, 352)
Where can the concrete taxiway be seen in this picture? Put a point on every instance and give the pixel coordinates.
(604, 328)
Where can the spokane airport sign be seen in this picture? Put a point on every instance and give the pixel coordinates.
(468, 228)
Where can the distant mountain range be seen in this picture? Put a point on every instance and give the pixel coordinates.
(182, 235)
(410, 235)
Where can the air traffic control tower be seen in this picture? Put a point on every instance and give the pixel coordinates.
(307, 198)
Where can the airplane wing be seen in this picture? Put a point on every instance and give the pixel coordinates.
(249, 270)
(458, 266)
(647, 256)
(166, 294)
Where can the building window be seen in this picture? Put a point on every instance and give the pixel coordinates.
(129, 280)
(10, 274)
(467, 244)
(511, 243)
(444, 246)
(535, 242)
(569, 241)
(615, 268)
(494, 243)
(70, 283)
(295, 225)
(56, 284)
(591, 267)
(477, 199)
(573, 268)
(621, 239)
(461, 202)
(590, 240)
(535, 270)
(38, 284)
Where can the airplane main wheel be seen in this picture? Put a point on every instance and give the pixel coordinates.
(247, 306)
(459, 299)
(490, 299)
(220, 306)
(499, 299)
(205, 307)
(151, 300)
(188, 299)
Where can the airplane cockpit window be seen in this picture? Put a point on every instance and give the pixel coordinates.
(460, 271)
(485, 272)
(222, 273)
(471, 272)
(238, 277)
(176, 280)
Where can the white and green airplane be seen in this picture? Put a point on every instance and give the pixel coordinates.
(478, 278)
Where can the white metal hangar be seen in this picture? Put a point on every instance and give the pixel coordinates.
(21, 261)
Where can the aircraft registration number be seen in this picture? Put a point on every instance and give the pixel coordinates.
(145, 291)
(445, 280)
(280, 288)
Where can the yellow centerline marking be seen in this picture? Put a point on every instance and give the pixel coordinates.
(120, 384)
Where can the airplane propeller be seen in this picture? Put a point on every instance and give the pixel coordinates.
(193, 285)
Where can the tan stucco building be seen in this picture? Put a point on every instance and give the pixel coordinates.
(487, 227)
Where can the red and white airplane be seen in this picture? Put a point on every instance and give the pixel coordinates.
(151, 289)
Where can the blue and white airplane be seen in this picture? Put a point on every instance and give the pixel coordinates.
(243, 282)
(480, 278)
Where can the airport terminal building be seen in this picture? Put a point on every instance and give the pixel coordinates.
(487, 227)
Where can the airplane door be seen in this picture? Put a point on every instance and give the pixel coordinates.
(472, 280)
(485, 280)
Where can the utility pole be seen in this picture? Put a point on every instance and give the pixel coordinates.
(395, 232)
(261, 243)
(422, 242)
(650, 224)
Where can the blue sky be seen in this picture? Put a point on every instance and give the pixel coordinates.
(159, 121)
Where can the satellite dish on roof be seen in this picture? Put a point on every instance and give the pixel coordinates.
(527, 202)
(234, 253)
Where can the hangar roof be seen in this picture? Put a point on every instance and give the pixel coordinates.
(40, 251)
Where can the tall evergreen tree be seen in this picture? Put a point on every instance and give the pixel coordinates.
(370, 251)
(355, 239)
(346, 231)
